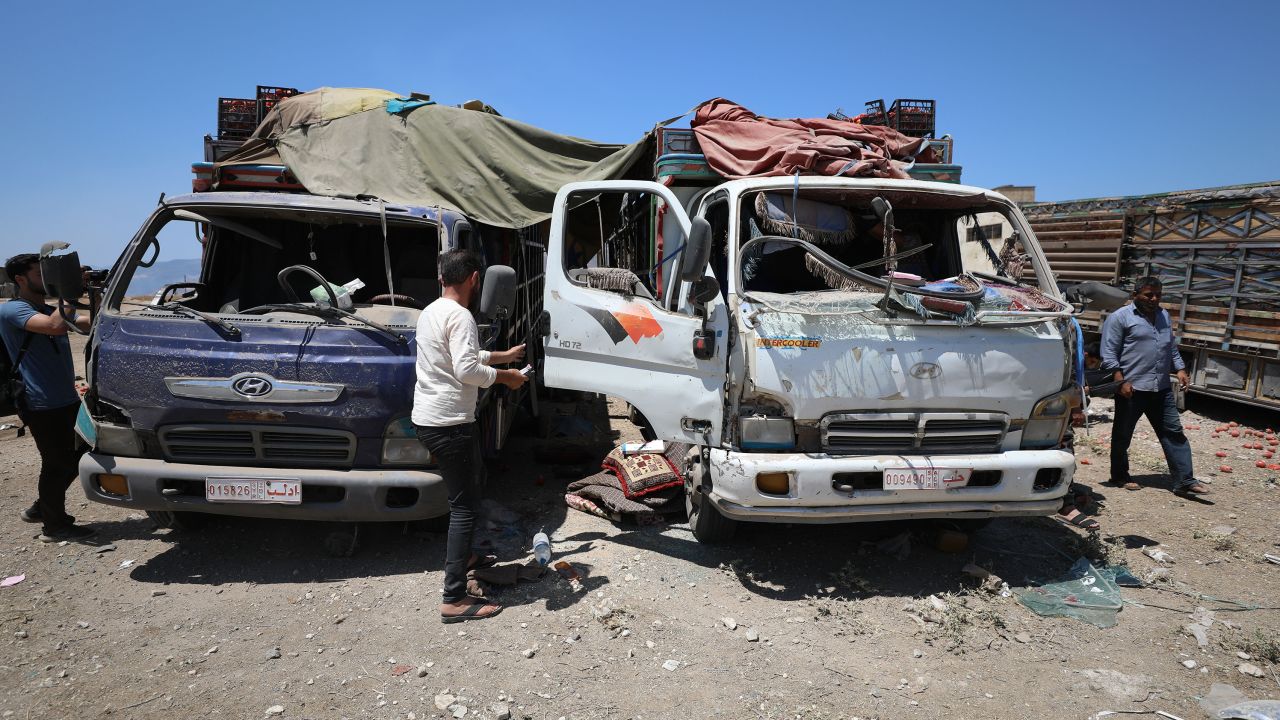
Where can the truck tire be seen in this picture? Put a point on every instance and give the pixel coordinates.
(185, 521)
(706, 523)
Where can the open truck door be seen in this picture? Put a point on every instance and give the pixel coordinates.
(614, 329)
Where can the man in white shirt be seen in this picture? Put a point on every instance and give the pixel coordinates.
(451, 368)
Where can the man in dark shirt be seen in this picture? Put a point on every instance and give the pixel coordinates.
(51, 403)
(1139, 350)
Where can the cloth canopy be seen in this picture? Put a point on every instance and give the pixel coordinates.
(740, 144)
(343, 142)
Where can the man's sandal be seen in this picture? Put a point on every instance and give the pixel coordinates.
(472, 612)
(1082, 521)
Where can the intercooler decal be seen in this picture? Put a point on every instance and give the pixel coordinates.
(633, 321)
(788, 342)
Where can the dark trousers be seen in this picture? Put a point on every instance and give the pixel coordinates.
(1162, 413)
(454, 449)
(55, 436)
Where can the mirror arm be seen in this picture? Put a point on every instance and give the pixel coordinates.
(62, 312)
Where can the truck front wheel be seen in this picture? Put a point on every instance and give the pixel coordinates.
(709, 527)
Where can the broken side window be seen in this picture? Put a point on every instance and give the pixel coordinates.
(610, 243)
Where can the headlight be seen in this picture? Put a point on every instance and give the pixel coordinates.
(107, 438)
(768, 433)
(400, 445)
(117, 440)
(1049, 419)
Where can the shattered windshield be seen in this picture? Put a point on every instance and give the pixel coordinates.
(228, 262)
(822, 252)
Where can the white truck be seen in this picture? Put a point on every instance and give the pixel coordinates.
(834, 350)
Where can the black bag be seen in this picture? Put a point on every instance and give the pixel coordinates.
(13, 389)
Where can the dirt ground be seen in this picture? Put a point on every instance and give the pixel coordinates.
(248, 618)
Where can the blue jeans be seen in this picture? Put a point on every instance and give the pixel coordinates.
(1162, 413)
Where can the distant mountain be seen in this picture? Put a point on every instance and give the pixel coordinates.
(146, 281)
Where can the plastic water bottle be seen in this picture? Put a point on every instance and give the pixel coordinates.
(542, 548)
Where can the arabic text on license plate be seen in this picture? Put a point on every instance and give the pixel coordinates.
(925, 478)
(250, 490)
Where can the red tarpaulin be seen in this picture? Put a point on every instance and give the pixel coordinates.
(740, 144)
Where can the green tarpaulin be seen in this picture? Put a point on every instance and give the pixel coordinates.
(342, 142)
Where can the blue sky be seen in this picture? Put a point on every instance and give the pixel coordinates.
(105, 104)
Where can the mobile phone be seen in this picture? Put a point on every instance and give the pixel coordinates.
(526, 370)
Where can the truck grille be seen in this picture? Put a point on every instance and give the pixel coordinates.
(267, 445)
(913, 433)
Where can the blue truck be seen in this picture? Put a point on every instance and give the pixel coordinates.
(272, 384)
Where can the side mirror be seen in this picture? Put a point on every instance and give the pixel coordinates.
(697, 251)
(498, 292)
(1096, 295)
(63, 276)
(704, 290)
(884, 211)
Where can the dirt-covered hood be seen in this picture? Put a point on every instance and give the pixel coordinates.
(819, 364)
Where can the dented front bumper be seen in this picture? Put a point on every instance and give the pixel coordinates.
(341, 495)
(1021, 482)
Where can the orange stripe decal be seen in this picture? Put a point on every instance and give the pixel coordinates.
(638, 322)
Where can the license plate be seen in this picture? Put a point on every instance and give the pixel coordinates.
(925, 478)
(251, 490)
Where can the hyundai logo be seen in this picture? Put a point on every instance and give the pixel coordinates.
(252, 386)
(925, 371)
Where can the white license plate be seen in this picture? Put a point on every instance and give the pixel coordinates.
(251, 490)
(925, 478)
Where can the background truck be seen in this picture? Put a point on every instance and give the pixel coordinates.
(752, 321)
(255, 390)
(1217, 251)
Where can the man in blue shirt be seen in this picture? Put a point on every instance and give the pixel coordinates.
(51, 403)
(1139, 350)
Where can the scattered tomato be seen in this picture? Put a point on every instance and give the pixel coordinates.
(1086, 461)
(1224, 468)
(1220, 454)
(1261, 463)
(1235, 433)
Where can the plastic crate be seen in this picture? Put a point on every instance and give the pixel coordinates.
(874, 114)
(677, 141)
(275, 93)
(237, 118)
(935, 173)
(943, 148)
(914, 118)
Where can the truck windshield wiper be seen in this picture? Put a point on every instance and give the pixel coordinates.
(329, 313)
(370, 323)
(193, 313)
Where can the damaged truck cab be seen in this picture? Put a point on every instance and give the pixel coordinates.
(834, 349)
(274, 384)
